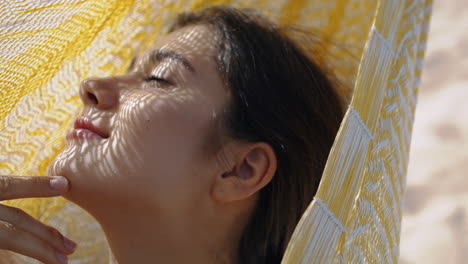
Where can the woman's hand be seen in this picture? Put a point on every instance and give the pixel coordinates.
(23, 234)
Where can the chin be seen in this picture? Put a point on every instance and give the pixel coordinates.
(70, 163)
(85, 173)
(64, 166)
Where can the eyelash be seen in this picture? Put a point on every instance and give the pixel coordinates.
(158, 80)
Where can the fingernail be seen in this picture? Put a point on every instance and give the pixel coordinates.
(61, 258)
(69, 244)
(58, 184)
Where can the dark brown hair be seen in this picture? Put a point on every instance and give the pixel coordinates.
(279, 96)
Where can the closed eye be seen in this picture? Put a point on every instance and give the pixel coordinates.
(158, 80)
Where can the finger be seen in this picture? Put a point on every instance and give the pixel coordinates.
(14, 187)
(29, 224)
(22, 242)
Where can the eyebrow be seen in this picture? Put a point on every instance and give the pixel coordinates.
(159, 55)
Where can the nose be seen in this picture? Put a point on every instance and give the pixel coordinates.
(101, 93)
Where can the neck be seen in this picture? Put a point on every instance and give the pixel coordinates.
(139, 236)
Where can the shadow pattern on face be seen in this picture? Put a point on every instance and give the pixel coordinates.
(160, 117)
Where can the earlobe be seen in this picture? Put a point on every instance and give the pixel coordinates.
(254, 165)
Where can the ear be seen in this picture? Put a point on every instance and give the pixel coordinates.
(250, 167)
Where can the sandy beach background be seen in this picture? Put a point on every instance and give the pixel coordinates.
(435, 210)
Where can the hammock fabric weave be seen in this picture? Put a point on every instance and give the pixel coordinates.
(48, 47)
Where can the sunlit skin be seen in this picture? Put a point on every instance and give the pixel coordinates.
(159, 185)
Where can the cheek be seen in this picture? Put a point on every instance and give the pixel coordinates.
(163, 137)
(155, 153)
(159, 128)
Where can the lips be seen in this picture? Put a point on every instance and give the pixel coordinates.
(85, 128)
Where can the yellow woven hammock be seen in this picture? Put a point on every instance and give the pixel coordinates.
(48, 47)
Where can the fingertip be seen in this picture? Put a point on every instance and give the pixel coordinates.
(61, 258)
(69, 244)
(59, 183)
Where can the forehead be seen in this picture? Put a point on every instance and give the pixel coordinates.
(196, 42)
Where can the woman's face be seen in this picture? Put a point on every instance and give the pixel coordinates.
(161, 119)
